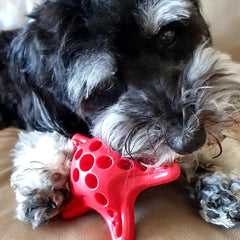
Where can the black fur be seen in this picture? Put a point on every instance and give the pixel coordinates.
(95, 67)
(8, 98)
(41, 53)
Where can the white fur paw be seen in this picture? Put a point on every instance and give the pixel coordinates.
(41, 168)
(36, 207)
(219, 198)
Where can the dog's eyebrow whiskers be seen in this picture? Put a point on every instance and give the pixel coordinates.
(153, 14)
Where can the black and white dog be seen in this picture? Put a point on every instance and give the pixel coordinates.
(142, 74)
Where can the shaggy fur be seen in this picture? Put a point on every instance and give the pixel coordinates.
(141, 74)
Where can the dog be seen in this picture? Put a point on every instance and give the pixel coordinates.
(142, 74)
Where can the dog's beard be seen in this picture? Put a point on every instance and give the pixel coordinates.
(210, 85)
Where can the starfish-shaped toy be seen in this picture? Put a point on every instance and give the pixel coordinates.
(104, 181)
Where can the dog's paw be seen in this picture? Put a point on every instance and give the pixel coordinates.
(36, 207)
(40, 176)
(219, 198)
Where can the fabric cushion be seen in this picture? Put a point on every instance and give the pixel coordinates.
(163, 212)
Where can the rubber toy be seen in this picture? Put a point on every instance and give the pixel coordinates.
(104, 181)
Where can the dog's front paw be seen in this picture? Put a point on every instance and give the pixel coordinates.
(219, 198)
(38, 206)
(40, 176)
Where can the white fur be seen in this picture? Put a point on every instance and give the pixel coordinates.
(207, 60)
(112, 128)
(214, 86)
(225, 188)
(36, 157)
(44, 117)
(88, 72)
(153, 14)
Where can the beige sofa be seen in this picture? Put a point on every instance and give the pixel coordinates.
(163, 212)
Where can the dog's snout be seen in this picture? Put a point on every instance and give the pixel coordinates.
(185, 143)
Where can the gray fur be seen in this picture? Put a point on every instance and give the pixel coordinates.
(158, 93)
(41, 176)
(219, 199)
(89, 71)
(153, 14)
(123, 128)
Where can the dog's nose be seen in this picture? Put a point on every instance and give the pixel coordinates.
(187, 143)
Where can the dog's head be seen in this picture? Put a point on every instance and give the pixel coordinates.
(143, 73)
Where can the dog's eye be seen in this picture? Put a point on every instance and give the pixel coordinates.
(167, 37)
(106, 86)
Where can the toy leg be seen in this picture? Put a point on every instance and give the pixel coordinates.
(122, 227)
(40, 177)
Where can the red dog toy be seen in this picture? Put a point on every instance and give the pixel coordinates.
(103, 181)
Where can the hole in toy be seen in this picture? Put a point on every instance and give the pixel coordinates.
(95, 146)
(78, 154)
(114, 223)
(125, 164)
(141, 167)
(104, 162)
(86, 162)
(111, 213)
(118, 231)
(101, 199)
(76, 175)
(91, 181)
(164, 167)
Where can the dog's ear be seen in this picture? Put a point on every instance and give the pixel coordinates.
(39, 56)
(50, 27)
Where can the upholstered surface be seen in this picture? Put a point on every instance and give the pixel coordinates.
(163, 212)
(224, 18)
